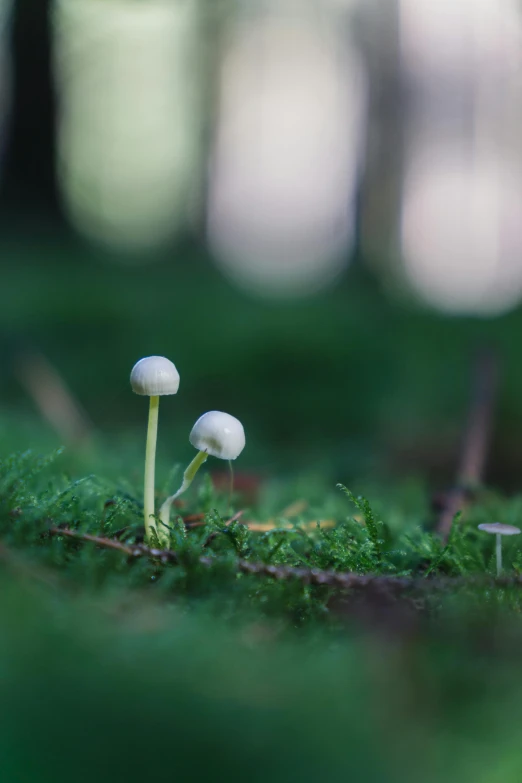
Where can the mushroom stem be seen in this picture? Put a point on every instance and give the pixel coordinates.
(231, 484)
(499, 553)
(150, 467)
(188, 477)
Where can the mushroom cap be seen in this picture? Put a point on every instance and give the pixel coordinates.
(219, 434)
(498, 527)
(154, 376)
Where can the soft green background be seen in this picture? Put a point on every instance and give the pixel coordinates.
(351, 380)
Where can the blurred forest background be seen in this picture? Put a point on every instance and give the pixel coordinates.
(313, 208)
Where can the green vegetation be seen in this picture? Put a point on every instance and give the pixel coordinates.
(117, 667)
(246, 656)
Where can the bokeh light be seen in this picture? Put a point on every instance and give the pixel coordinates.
(287, 152)
(461, 231)
(461, 225)
(129, 94)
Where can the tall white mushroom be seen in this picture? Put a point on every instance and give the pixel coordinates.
(215, 434)
(154, 377)
(499, 530)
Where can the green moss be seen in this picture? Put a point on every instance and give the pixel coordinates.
(115, 667)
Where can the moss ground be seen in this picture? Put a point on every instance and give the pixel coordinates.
(120, 668)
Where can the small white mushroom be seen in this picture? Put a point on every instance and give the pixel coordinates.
(215, 434)
(154, 377)
(219, 435)
(499, 530)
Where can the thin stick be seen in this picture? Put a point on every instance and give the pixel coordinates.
(198, 520)
(476, 441)
(216, 533)
(266, 527)
(480, 424)
(53, 398)
(499, 553)
(237, 516)
(343, 580)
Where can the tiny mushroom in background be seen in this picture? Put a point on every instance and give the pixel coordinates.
(154, 377)
(215, 434)
(499, 530)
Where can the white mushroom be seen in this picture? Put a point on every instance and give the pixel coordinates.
(154, 377)
(499, 530)
(215, 434)
(219, 435)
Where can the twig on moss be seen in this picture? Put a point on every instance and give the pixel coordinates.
(236, 517)
(107, 543)
(312, 576)
(266, 527)
(198, 520)
(476, 441)
(307, 575)
(194, 520)
(216, 533)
